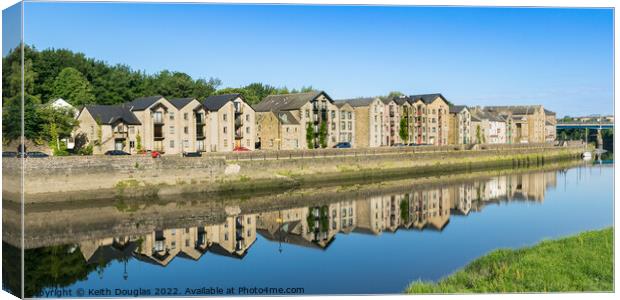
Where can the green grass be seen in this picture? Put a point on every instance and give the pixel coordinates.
(578, 263)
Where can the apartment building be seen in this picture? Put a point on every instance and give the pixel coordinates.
(550, 126)
(459, 131)
(189, 125)
(391, 125)
(312, 110)
(487, 127)
(231, 123)
(368, 121)
(347, 123)
(406, 113)
(431, 117)
(109, 127)
(278, 131)
(528, 122)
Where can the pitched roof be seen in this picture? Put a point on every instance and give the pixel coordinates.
(180, 102)
(455, 109)
(401, 100)
(110, 114)
(516, 109)
(288, 101)
(287, 118)
(215, 102)
(427, 98)
(480, 114)
(549, 113)
(144, 102)
(359, 102)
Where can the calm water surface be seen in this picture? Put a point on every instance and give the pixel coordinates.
(374, 244)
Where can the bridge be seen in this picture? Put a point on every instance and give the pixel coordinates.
(584, 125)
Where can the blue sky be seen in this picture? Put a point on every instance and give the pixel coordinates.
(562, 58)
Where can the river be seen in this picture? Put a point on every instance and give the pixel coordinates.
(370, 243)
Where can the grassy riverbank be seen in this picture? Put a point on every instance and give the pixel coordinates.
(578, 263)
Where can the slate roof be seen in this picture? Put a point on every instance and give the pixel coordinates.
(287, 118)
(427, 98)
(486, 115)
(288, 101)
(144, 102)
(549, 113)
(180, 102)
(455, 109)
(215, 102)
(516, 109)
(110, 114)
(401, 100)
(359, 102)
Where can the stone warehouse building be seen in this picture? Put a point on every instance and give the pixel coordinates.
(368, 123)
(427, 118)
(311, 110)
(174, 126)
(528, 122)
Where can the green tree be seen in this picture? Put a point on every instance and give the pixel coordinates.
(310, 135)
(323, 134)
(138, 142)
(71, 85)
(403, 132)
(479, 136)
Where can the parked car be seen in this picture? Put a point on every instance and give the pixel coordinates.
(241, 149)
(36, 154)
(343, 145)
(116, 152)
(192, 154)
(9, 154)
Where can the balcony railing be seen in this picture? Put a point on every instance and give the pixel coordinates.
(238, 122)
(238, 135)
(120, 134)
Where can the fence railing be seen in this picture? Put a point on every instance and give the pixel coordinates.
(318, 153)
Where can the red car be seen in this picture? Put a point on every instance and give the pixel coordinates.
(155, 154)
(241, 149)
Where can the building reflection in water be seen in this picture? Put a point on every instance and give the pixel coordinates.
(316, 226)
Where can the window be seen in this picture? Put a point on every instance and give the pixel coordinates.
(171, 129)
(247, 129)
(226, 236)
(225, 143)
(185, 116)
(132, 129)
(271, 143)
(224, 117)
(132, 144)
(171, 114)
(224, 129)
(343, 125)
(307, 113)
(186, 243)
(343, 114)
(333, 126)
(173, 245)
(350, 125)
(172, 144)
(247, 142)
(249, 221)
(92, 131)
(350, 115)
(185, 130)
(247, 118)
(186, 143)
(333, 114)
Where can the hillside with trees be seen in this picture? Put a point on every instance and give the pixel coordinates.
(59, 73)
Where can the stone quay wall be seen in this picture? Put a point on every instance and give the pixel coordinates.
(72, 178)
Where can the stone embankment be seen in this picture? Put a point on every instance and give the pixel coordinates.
(56, 179)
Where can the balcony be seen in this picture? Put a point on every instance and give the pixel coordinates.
(158, 121)
(238, 135)
(391, 113)
(200, 120)
(238, 109)
(200, 133)
(238, 122)
(158, 132)
(121, 135)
